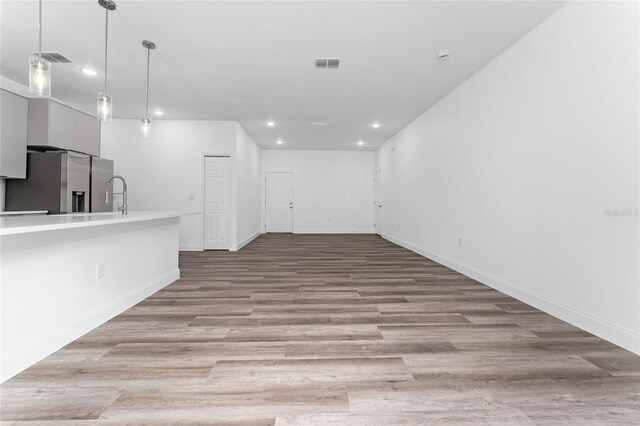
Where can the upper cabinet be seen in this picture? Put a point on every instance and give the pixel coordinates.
(13, 135)
(57, 126)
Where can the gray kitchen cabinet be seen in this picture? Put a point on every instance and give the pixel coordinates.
(89, 134)
(53, 125)
(13, 135)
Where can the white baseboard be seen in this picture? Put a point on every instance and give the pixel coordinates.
(333, 231)
(248, 240)
(191, 247)
(40, 349)
(607, 331)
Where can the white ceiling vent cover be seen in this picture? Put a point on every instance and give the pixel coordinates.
(324, 63)
(54, 57)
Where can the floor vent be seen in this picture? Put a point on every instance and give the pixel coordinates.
(324, 63)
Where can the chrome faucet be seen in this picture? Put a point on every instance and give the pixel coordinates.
(123, 209)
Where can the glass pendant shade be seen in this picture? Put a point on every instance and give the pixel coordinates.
(146, 121)
(146, 127)
(105, 101)
(105, 106)
(39, 76)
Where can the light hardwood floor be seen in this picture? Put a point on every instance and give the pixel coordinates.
(328, 330)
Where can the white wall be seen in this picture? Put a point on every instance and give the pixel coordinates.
(248, 184)
(523, 161)
(165, 170)
(332, 190)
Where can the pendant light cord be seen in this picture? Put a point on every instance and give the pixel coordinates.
(146, 108)
(40, 30)
(106, 45)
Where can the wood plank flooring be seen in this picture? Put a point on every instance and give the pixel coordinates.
(328, 330)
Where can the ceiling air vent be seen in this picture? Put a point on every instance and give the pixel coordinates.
(54, 57)
(327, 63)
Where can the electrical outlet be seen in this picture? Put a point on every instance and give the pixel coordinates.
(192, 196)
(460, 242)
(100, 270)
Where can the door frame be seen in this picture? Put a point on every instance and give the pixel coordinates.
(232, 199)
(377, 174)
(264, 205)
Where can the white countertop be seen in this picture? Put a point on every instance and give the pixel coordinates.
(13, 225)
(28, 212)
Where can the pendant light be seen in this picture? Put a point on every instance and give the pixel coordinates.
(105, 102)
(146, 121)
(39, 69)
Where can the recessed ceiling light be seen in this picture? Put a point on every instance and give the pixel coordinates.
(360, 143)
(443, 56)
(279, 141)
(375, 125)
(318, 123)
(89, 72)
(270, 123)
(157, 112)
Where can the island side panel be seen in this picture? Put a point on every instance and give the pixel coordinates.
(50, 293)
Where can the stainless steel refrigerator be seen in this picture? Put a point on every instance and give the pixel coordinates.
(60, 182)
(101, 172)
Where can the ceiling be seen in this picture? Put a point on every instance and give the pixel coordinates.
(253, 62)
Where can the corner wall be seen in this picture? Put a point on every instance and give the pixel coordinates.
(526, 177)
(166, 171)
(248, 184)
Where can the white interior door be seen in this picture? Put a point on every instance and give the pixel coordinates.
(279, 202)
(377, 202)
(217, 203)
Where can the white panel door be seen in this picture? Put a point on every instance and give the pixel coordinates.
(377, 202)
(279, 202)
(217, 203)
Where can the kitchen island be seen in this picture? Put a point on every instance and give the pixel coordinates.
(61, 276)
